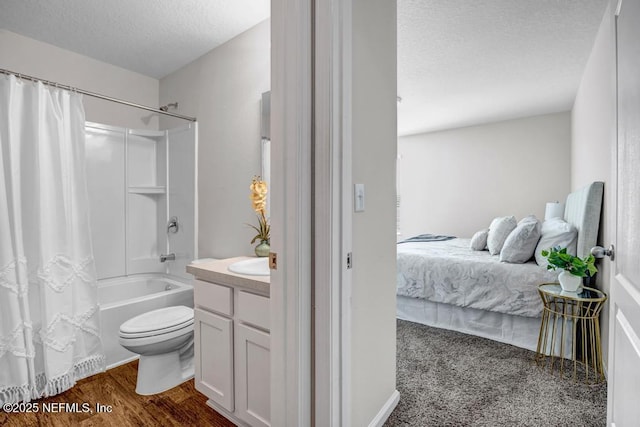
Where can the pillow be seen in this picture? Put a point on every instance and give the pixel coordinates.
(521, 242)
(556, 232)
(479, 240)
(498, 231)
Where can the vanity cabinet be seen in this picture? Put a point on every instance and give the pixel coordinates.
(232, 351)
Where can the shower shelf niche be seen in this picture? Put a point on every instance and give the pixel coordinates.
(147, 190)
(146, 200)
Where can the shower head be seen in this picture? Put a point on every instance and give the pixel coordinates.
(166, 107)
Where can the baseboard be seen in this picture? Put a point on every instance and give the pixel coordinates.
(123, 362)
(386, 410)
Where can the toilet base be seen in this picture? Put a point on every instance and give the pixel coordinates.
(161, 372)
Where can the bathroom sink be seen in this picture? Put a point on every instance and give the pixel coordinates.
(251, 267)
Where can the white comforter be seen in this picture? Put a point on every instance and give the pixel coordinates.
(449, 272)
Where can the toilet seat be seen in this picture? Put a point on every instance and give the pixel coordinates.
(143, 334)
(158, 322)
(179, 334)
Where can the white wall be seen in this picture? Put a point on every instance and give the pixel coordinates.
(31, 57)
(373, 364)
(594, 141)
(456, 181)
(223, 90)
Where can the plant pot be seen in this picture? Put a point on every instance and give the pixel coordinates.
(263, 249)
(569, 282)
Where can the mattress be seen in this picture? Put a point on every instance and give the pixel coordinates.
(451, 273)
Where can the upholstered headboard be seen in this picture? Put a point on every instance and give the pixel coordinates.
(582, 210)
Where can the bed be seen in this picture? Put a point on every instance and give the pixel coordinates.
(445, 284)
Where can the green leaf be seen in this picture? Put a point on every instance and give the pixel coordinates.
(565, 256)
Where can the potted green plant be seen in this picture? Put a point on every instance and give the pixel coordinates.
(573, 268)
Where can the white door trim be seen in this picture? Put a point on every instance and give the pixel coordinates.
(291, 172)
(613, 226)
(332, 212)
(345, 41)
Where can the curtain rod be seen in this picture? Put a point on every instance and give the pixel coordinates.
(96, 95)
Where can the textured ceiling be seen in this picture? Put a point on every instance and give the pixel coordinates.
(466, 62)
(460, 62)
(152, 37)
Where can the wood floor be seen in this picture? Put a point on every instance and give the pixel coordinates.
(180, 406)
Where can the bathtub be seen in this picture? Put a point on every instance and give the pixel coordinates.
(122, 298)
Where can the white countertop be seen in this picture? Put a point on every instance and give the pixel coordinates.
(217, 271)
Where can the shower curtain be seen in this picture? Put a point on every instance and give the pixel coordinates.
(49, 330)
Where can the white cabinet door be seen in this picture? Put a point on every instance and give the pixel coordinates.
(253, 376)
(214, 357)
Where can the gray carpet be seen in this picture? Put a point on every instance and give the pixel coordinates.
(447, 378)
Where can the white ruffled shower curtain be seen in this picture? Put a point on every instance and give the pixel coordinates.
(49, 328)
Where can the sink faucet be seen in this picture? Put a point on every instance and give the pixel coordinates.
(167, 257)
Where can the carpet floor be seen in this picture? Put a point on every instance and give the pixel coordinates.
(448, 378)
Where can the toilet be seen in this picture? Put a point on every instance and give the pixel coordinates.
(164, 340)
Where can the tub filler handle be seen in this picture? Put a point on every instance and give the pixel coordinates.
(167, 257)
(173, 226)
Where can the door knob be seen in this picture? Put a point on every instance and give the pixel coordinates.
(600, 252)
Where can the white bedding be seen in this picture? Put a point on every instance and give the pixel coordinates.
(449, 272)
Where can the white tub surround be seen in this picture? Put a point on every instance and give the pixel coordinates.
(232, 342)
(138, 181)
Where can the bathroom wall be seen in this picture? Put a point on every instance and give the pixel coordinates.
(223, 90)
(28, 56)
(373, 332)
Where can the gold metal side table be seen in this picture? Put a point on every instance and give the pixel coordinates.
(563, 315)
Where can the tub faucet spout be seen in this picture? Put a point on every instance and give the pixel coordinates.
(167, 257)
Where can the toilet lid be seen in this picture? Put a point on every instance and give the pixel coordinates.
(182, 328)
(156, 320)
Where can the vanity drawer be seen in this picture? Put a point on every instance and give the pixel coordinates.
(254, 309)
(213, 297)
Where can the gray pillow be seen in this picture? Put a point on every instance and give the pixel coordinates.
(556, 232)
(499, 230)
(479, 240)
(521, 242)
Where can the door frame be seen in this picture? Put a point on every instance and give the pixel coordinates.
(291, 148)
(613, 227)
(333, 207)
(311, 212)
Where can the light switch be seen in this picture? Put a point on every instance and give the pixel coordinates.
(358, 195)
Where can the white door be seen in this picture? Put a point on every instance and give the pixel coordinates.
(624, 344)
